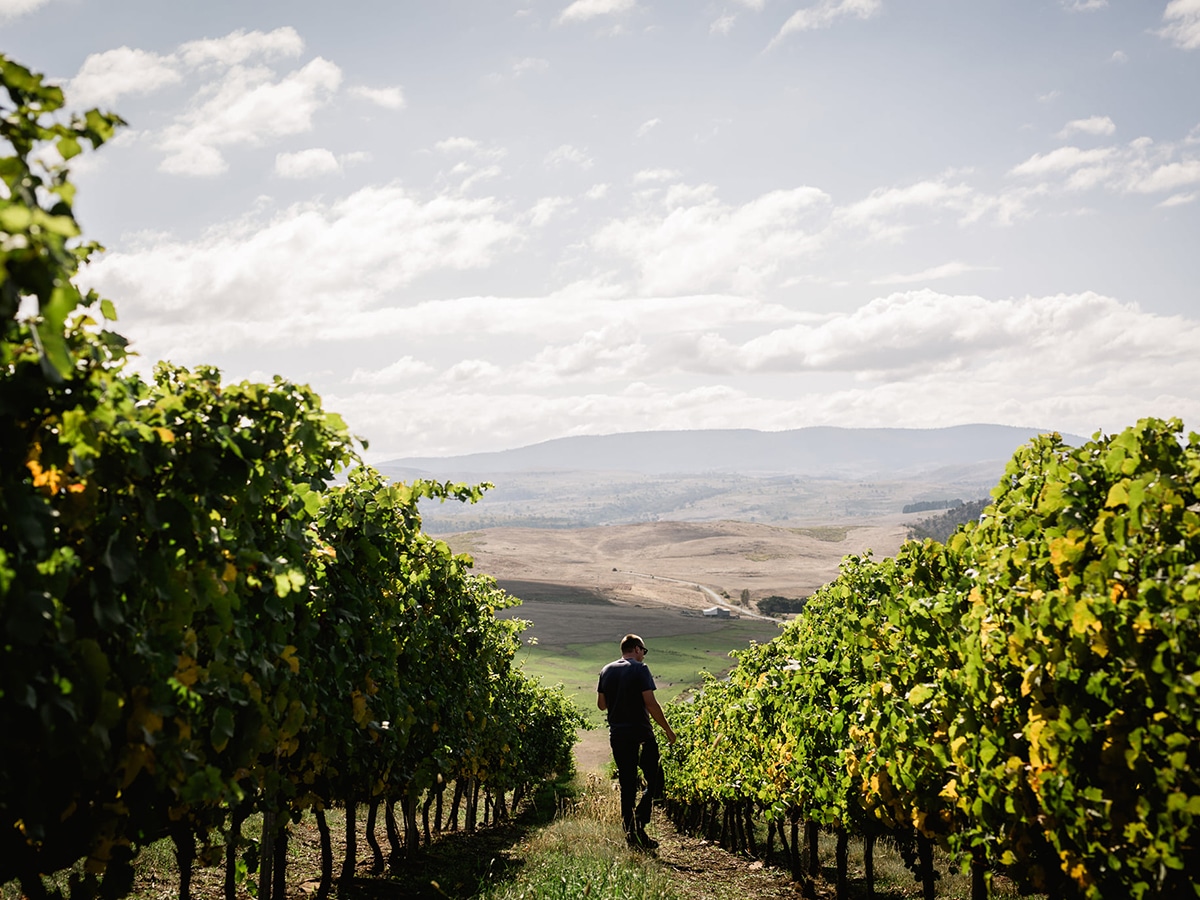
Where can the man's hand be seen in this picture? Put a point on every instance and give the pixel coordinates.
(657, 715)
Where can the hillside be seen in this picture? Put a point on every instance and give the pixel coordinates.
(657, 565)
(807, 477)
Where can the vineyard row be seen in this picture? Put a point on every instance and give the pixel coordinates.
(208, 606)
(1025, 696)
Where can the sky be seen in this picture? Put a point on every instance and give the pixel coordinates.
(472, 225)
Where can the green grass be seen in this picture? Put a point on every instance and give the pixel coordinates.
(582, 853)
(677, 662)
(832, 534)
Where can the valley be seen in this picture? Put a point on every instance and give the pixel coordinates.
(582, 589)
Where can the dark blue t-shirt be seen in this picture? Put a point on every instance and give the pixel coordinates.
(622, 683)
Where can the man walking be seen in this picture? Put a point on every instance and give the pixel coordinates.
(626, 691)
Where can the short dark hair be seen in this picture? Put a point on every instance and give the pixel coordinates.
(630, 642)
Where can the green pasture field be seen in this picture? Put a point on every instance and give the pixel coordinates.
(676, 661)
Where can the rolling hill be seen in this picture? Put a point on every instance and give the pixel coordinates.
(800, 477)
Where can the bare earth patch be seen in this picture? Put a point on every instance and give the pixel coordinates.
(628, 563)
(591, 585)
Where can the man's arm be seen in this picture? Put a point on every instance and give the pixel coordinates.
(657, 715)
(601, 703)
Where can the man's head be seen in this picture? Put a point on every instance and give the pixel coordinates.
(631, 643)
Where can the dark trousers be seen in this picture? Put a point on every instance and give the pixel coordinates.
(631, 752)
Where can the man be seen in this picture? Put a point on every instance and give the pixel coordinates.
(626, 691)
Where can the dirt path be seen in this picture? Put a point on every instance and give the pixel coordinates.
(706, 871)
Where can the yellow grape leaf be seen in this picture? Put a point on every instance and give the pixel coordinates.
(187, 672)
(360, 708)
(1040, 753)
(1118, 494)
(986, 627)
(1029, 679)
(956, 750)
(1083, 619)
(920, 694)
(289, 657)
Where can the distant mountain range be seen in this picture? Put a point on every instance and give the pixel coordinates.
(812, 452)
(794, 478)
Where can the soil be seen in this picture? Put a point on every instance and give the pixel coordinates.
(456, 865)
(632, 564)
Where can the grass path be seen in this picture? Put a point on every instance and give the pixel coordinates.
(566, 844)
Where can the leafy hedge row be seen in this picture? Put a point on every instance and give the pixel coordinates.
(1027, 695)
(193, 625)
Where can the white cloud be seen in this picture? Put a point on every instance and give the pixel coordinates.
(1140, 167)
(545, 209)
(1061, 160)
(239, 46)
(906, 333)
(1084, 5)
(310, 163)
(1169, 177)
(471, 371)
(1119, 56)
(246, 107)
(596, 192)
(723, 24)
(105, 77)
(1182, 18)
(882, 214)
(582, 10)
(653, 175)
(646, 127)
(1098, 125)
(612, 352)
(1078, 362)
(946, 270)
(883, 203)
(469, 146)
(475, 175)
(530, 64)
(236, 97)
(693, 242)
(1179, 200)
(568, 154)
(387, 97)
(297, 274)
(824, 13)
(404, 369)
(14, 9)
(457, 145)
